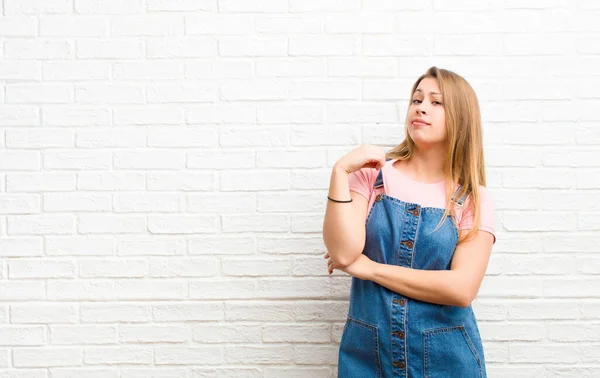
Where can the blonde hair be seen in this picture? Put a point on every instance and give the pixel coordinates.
(464, 148)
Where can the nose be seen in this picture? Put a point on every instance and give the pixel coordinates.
(421, 109)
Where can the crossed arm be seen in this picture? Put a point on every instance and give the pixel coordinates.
(457, 286)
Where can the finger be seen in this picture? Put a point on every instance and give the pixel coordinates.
(326, 255)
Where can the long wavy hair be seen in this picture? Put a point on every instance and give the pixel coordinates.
(464, 164)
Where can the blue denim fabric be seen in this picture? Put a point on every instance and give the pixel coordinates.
(390, 335)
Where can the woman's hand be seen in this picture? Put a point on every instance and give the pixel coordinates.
(365, 155)
(362, 268)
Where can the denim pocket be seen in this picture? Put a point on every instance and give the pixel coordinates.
(359, 351)
(449, 352)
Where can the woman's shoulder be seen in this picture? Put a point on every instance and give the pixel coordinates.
(486, 200)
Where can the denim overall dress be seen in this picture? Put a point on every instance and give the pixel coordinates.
(390, 335)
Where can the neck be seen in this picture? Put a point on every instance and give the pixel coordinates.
(427, 165)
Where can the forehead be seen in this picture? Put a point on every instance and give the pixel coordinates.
(428, 85)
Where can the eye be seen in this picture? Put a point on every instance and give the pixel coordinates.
(416, 101)
(437, 103)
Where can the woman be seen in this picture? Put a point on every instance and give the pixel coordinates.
(415, 228)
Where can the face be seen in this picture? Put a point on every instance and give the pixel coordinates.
(426, 118)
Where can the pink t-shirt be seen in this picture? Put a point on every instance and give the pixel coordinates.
(400, 186)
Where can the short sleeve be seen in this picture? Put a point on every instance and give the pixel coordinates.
(487, 209)
(362, 181)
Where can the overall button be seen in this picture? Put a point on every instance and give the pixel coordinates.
(408, 243)
(415, 212)
(399, 364)
(378, 198)
(399, 334)
(401, 302)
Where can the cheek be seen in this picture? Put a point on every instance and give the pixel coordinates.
(441, 120)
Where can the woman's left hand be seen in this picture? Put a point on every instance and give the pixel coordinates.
(362, 268)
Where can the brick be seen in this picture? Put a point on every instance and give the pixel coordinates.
(146, 25)
(283, 333)
(80, 245)
(20, 203)
(36, 6)
(219, 24)
(47, 357)
(23, 71)
(76, 202)
(209, 333)
(153, 334)
(220, 113)
(113, 48)
(256, 267)
(263, 354)
(388, 46)
(39, 138)
(76, 159)
(23, 335)
(183, 267)
(79, 290)
(236, 46)
(147, 203)
(115, 312)
(17, 115)
(181, 47)
(188, 311)
(109, 7)
(99, 138)
(250, 136)
(82, 335)
(40, 224)
(38, 49)
(175, 93)
(153, 245)
(182, 224)
(38, 93)
(543, 353)
(64, 116)
(180, 5)
(180, 355)
(43, 313)
(185, 181)
(226, 6)
(115, 355)
(197, 137)
(155, 70)
(106, 268)
(73, 26)
(34, 268)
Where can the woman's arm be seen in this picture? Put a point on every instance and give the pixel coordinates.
(456, 287)
(344, 224)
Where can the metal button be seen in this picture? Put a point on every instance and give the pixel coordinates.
(399, 364)
(401, 302)
(415, 212)
(408, 243)
(399, 334)
(378, 198)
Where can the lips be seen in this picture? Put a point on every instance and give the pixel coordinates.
(419, 122)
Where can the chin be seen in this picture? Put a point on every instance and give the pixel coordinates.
(427, 143)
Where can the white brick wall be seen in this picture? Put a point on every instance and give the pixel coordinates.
(164, 165)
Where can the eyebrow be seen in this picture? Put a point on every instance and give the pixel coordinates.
(434, 93)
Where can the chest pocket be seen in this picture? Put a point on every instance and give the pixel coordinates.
(434, 248)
